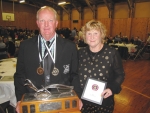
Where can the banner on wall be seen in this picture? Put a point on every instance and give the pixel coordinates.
(8, 17)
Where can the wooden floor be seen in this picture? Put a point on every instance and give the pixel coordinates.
(135, 94)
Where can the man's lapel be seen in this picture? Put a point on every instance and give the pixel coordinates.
(59, 48)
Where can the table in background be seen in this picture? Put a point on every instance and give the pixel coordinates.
(131, 47)
(7, 89)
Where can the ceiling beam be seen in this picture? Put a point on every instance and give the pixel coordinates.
(110, 7)
(33, 5)
(131, 7)
(52, 2)
(133, 2)
(129, 4)
(64, 9)
(76, 7)
(107, 4)
(88, 3)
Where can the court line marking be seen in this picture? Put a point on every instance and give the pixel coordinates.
(136, 92)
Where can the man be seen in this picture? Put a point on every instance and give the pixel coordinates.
(10, 46)
(148, 43)
(73, 32)
(148, 40)
(3, 51)
(63, 61)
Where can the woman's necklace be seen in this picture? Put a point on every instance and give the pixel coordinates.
(94, 54)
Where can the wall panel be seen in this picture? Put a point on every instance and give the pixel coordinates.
(121, 10)
(106, 22)
(128, 28)
(142, 9)
(75, 16)
(139, 27)
(148, 26)
(119, 27)
(102, 12)
(65, 16)
(65, 23)
(85, 21)
(88, 14)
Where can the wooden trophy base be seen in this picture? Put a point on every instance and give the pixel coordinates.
(56, 103)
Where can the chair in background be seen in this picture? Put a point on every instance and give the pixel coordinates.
(123, 51)
(138, 53)
(147, 51)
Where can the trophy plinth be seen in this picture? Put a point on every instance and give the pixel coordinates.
(57, 102)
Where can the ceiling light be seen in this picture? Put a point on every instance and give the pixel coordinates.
(21, 1)
(61, 3)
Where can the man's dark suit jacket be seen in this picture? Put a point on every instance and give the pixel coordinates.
(28, 62)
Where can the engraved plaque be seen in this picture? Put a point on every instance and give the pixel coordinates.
(49, 106)
(67, 104)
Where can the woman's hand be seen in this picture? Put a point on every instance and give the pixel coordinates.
(80, 104)
(106, 93)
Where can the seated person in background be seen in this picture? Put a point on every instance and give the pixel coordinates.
(76, 38)
(10, 46)
(117, 39)
(132, 40)
(148, 40)
(123, 39)
(62, 36)
(81, 42)
(73, 32)
(3, 51)
(71, 38)
(137, 41)
(67, 33)
(126, 39)
(147, 49)
(109, 40)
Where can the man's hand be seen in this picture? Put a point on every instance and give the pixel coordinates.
(18, 107)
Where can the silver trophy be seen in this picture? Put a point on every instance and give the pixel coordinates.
(44, 94)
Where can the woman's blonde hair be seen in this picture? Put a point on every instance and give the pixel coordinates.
(94, 25)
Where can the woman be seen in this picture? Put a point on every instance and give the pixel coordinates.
(101, 62)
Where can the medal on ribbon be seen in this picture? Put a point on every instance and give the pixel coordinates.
(40, 70)
(55, 71)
